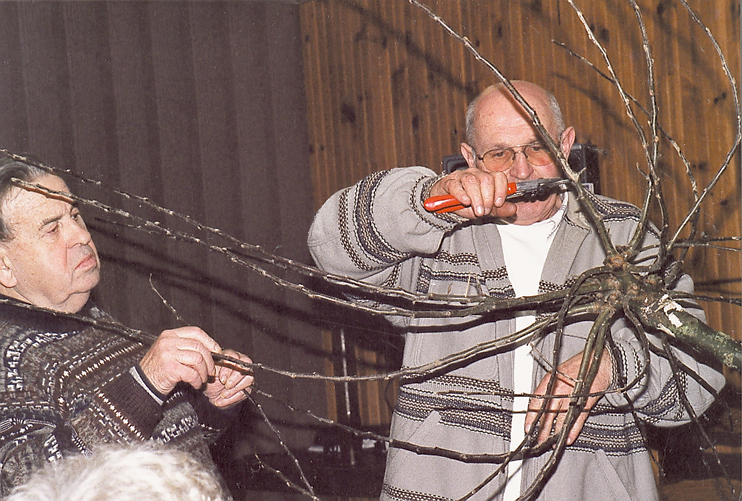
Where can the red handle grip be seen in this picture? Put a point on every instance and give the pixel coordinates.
(447, 203)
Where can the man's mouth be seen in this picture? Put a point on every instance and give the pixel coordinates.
(88, 261)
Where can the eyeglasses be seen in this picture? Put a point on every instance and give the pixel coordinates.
(499, 159)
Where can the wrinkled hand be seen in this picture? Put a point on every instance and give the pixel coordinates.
(483, 193)
(557, 407)
(229, 382)
(182, 354)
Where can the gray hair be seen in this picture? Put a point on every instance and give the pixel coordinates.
(13, 169)
(140, 472)
(554, 110)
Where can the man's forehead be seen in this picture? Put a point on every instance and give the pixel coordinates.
(28, 205)
(505, 105)
(498, 129)
(49, 186)
(500, 121)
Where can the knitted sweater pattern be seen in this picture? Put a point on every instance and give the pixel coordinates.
(67, 386)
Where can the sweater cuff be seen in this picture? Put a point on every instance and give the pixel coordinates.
(422, 192)
(145, 383)
(133, 402)
(627, 365)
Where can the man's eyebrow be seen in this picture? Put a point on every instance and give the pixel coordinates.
(53, 219)
(505, 147)
(50, 220)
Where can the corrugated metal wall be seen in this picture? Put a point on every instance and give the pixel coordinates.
(199, 107)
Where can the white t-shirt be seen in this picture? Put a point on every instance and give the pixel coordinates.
(525, 249)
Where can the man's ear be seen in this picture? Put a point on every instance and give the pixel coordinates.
(468, 153)
(7, 277)
(568, 139)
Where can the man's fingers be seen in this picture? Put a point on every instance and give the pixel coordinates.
(577, 427)
(545, 423)
(194, 356)
(232, 380)
(479, 189)
(482, 193)
(508, 209)
(556, 410)
(500, 190)
(185, 354)
(192, 353)
(551, 421)
(530, 419)
(553, 417)
(237, 387)
(196, 339)
(233, 376)
(196, 334)
(182, 354)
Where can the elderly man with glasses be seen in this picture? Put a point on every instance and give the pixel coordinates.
(379, 231)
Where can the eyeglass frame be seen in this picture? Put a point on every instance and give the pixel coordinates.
(522, 149)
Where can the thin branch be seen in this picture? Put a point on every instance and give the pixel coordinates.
(282, 444)
(640, 131)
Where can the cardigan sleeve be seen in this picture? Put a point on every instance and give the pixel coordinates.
(654, 389)
(366, 230)
(656, 394)
(212, 420)
(35, 431)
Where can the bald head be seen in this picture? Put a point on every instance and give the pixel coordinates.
(497, 97)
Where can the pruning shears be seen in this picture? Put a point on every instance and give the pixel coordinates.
(528, 190)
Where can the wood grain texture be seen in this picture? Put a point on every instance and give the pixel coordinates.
(387, 87)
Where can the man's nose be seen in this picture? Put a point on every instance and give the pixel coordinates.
(78, 234)
(520, 168)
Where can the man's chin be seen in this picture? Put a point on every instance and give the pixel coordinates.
(76, 302)
(533, 212)
(87, 282)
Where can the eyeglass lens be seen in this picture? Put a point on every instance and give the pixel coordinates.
(536, 154)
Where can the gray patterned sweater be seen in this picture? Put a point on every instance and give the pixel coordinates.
(67, 386)
(378, 231)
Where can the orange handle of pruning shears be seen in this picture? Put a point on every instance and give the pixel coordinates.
(447, 203)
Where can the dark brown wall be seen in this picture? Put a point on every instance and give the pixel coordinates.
(199, 107)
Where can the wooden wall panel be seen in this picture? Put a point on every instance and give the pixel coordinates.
(387, 87)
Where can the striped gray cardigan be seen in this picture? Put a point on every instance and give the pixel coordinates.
(378, 231)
